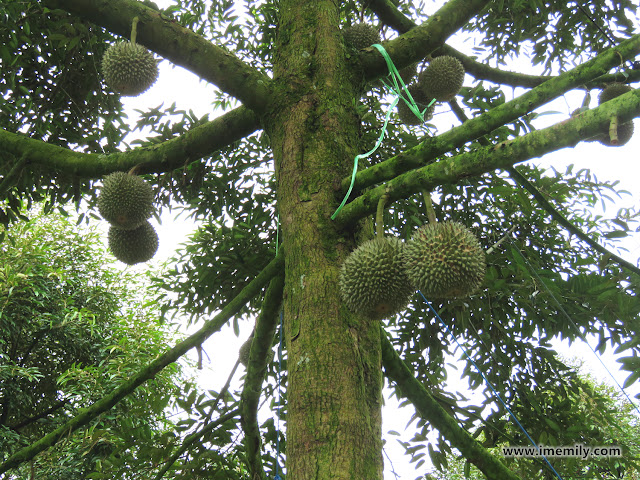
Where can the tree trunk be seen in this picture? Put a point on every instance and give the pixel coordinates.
(334, 390)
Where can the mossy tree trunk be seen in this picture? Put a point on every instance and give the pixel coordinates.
(334, 390)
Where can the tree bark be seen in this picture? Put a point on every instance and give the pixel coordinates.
(334, 365)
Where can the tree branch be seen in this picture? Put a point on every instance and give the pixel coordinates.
(178, 44)
(500, 156)
(488, 121)
(545, 204)
(558, 217)
(208, 427)
(389, 14)
(28, 421)
(193, 437)
(256, 369)
(430, 410)
(422, 40)
(87, 414)
(166, 156)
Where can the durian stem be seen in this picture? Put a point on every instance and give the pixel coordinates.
(379, 213)
(497, 244)
(431, 214)
(134, 29)
(587, 100)
(613, 130)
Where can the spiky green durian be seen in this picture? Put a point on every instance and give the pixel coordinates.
(372, 278)
(125, 201)
(407, 73)
(442, 79)
(361, 35)
(245, 349)
(444, 260)
(406, 115)
(624, 130)
(613, 90)
(133, 246)
(129, 68)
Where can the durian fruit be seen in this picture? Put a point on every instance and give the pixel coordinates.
(442, 79)
(133, 246)
(245, 350)
(407, 73)
(404, 112)
(373, 281)
(129, 68)
(361, 35)
(624, 131)
(613, 90)
(125, 201)
(445, 260)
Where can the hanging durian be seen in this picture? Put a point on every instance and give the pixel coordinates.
(133, 246)
(444, 260)
(129, 68)
(442, 79)
(125, 201)
(361, 35)
(618, 133)
(373, 281)
(407, 116)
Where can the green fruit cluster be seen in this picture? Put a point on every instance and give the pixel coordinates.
(126, 202)
(129, 68)
(361, 35)
(443, 260)
(442, 79)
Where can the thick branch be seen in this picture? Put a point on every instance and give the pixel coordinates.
(500, 156)
(389, 14)
(256, 369)
(163, 157)
(178, 44)
(485, 123)
(422, 40)
(152, 369)
(430, 410)
(28, 421)
(546, 205)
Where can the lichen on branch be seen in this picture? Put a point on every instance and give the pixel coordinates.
(494, 157)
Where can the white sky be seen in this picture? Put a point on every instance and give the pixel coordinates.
(608, 163)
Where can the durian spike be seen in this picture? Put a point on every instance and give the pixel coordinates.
(134, 29)
(380, 212)
(431, 214)
(613, 130)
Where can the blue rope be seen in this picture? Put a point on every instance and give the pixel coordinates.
(490, 385)
(568, 317)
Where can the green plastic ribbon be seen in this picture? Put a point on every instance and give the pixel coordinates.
(395, 76)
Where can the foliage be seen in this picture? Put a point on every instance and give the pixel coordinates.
(541, 284)
(600, 416)
(72, 330)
